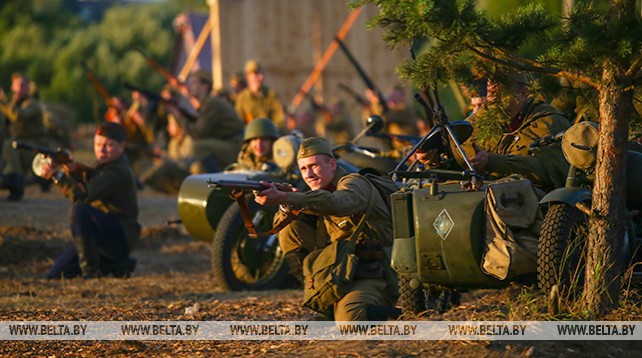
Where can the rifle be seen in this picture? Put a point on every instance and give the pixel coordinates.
(58, 155)
(152, 96)
(98, 86)
(242, 185)
(357, 97)
(363, 75)
(238, 188)
(172, 80)
(157, 67)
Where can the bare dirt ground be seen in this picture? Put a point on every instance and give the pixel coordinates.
(173, 274)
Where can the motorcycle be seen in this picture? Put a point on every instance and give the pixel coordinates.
(451, 229)
(240, 262)
(561, 254)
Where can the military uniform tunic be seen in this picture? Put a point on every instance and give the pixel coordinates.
(341, 209)
(546, 167)
(25, 124)
(217, 131)
(111, 188)
(167, 174)
(265, 103)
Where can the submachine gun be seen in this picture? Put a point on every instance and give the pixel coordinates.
(58, 155)
(238, 188)
(49, 155)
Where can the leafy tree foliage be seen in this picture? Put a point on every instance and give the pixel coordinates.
(48, 41)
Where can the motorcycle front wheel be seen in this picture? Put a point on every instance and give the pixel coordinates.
(560, 251)
(242, 263)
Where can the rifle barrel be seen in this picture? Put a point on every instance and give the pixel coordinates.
(362, 73)
(59, 155)
(242, 184)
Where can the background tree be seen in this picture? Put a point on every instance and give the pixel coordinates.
(48, 40)
(598, 46)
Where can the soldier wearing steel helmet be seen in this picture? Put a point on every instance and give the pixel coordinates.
(256, 152)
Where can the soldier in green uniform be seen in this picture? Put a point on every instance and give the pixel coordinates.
(215, 127)
(173, 166)
(104, 217)
(25, 117)
(256, 153)
(527, 120)
(337, 125)
(258, 100)
(337, 199)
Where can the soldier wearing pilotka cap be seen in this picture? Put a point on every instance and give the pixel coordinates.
(104, 215)
(258, 100)
(336, 201)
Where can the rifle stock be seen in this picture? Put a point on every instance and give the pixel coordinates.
(364, 76)
(157, 67)
(97, 85)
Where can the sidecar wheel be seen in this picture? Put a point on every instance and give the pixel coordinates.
(560, 256)
(241, 263)
(410, 299)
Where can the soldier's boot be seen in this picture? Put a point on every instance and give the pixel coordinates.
(88, 257)
(382, 313)
(294, 260)
(124, 268)
(15, 182)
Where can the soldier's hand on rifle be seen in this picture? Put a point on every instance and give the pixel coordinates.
(271, 194)
(480, 160)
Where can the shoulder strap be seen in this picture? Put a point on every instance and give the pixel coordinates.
(355, 233)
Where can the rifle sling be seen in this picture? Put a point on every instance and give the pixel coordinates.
(247, 220)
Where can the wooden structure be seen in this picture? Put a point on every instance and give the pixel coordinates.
(288, 38)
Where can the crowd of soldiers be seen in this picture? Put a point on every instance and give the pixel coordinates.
(193, 129)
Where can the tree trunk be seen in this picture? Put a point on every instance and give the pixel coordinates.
(608, 220)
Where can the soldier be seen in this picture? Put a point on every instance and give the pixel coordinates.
(337, 125)
(258, 100)
(528, 119)
(256, 153)
(338, 198)
(25, 117)
(215, 127)
(401, 120)
(104, 216)
(168, 171)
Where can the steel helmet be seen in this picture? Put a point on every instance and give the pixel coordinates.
(260, 127)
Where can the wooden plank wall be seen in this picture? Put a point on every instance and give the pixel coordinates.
(280, 34)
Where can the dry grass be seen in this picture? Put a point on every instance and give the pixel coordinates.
(173, 274)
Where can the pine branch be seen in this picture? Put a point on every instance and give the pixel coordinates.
(527, 65)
